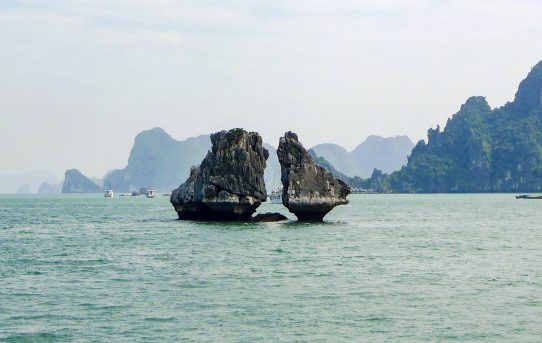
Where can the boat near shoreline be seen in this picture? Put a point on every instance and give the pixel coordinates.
(276, 196)
(362, 191)
(529, 197)
(150, 193)
(109, 193)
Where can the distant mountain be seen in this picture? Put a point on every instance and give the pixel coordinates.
(322, 162)
(75, 182)
(48, 188)
(96, 180)
(24, 189)
(387, 154)
(480, 149)
(338, 156)
(272, 170)
(10, 182)
(157, 160)
(354, 182)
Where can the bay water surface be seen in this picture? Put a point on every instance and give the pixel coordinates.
(385, 268)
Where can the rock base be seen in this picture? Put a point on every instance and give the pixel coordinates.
(268, 217)
(229, 183)
(311, 215)
(308, 190)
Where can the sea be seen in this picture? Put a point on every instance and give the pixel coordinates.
(384, 268)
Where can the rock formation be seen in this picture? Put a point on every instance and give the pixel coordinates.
(229, 183)
(309, 190)
(481, 149)
(268, 217)
(75, 182)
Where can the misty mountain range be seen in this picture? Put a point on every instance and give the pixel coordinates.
(387, 154)
(158, 160)
(480, 150)
(11, 183)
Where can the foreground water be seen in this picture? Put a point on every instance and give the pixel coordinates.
(386, 268)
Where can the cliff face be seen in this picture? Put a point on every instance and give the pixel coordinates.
(229, 183)
(528, 98)
(309, 190)
(75, 182)
(157, 160)
(482, 150)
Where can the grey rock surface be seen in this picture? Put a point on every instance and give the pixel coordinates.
(309, 190)
(268, 217)
(229, 183)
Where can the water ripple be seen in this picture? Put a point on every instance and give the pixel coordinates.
(391, 268)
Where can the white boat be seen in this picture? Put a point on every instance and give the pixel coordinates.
(276, 196)
(150, 193)
(109, 193)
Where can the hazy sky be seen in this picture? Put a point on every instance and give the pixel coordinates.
(79, 79)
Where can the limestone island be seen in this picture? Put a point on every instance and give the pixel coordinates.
(229, 183)
(308, 190)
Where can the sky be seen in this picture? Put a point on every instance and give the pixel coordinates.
(79, 79)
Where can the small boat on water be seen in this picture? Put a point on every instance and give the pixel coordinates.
(109, 193)
(362, 191)
(276, 196)
(529, 197)
(150, 193)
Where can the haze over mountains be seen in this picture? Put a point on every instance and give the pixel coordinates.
(272, 170)
(157, 160)
(385, 153)
(11, 182)
(480, 150)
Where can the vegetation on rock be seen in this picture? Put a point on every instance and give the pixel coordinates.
(481, 150)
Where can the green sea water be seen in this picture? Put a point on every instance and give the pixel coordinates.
(385, 268)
